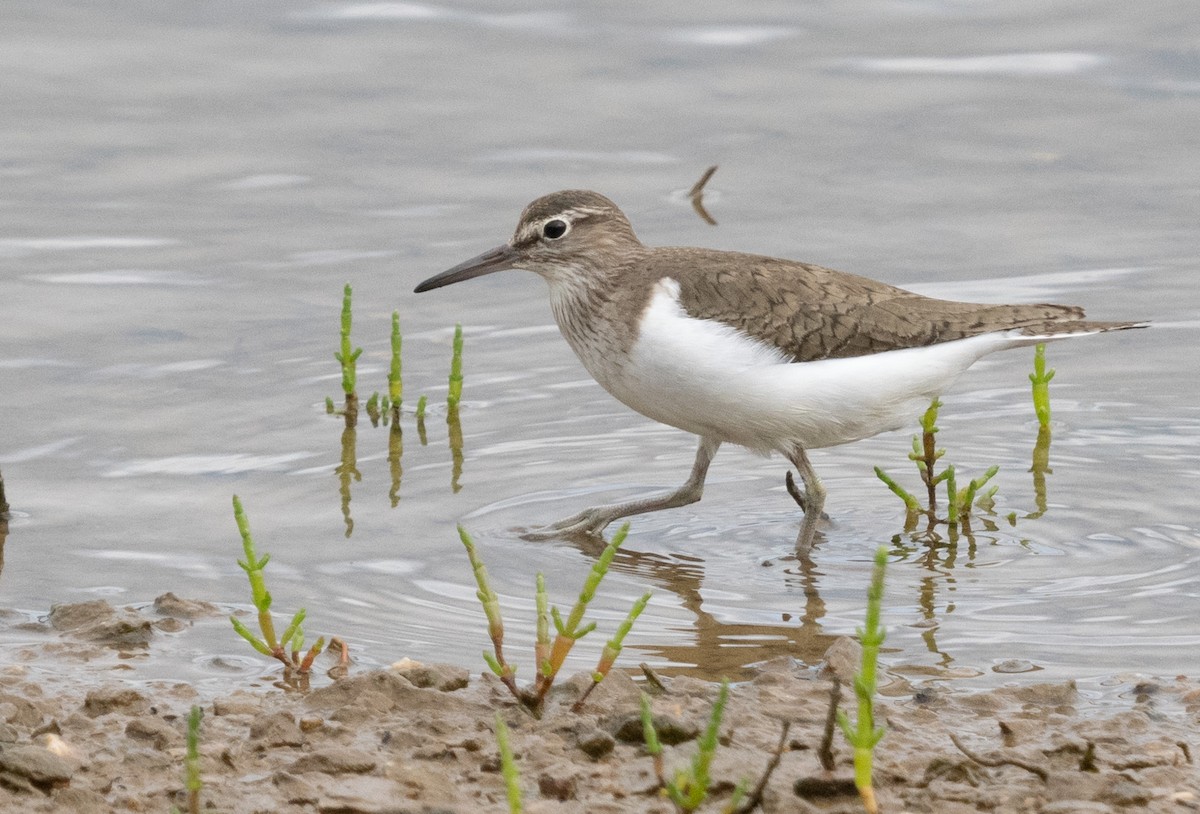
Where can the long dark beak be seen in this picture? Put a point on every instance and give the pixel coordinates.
(497, 259)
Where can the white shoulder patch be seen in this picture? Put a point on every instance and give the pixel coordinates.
(706, 342)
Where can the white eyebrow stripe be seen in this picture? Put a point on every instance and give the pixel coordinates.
(570, 215)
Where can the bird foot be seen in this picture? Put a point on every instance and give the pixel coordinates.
(588, 522)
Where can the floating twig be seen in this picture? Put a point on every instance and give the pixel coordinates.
(652, 678)
(696, 194)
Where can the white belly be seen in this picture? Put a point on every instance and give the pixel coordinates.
(709, 379)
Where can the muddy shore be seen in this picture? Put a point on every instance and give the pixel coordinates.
(419, 738)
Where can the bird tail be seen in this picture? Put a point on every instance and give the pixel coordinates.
(1058, 329)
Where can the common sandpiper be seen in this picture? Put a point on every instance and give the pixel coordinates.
(773, 355)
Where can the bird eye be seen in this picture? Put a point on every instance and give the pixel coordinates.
(554, 229)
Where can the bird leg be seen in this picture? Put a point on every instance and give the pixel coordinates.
(813, 501)
(797, 495)
(593, 520)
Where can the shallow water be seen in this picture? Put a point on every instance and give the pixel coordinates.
(185, 191)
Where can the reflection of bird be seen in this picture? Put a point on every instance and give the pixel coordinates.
(771, 354)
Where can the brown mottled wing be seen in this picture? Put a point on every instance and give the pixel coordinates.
(811, 312)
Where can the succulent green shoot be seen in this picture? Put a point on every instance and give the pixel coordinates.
(313, 651)
(929, 419)
(911, 504)
(588, 592)
(253, 566)
(689, 787)
(548, 656)
(863, 736)
(330, 409)
(495, 667)
(487, 597)
(268, 644)
(421, 402)
(1040, 378)
(491, 607)
(573, 629)
(738, 797)
(395, 383)
(456, 377)
(293, 631)
(508, 767)
(191, 778)
(249, 636)
(707, 744)
(612, 648)
(541, 656)
(951, 496)
(975, 485)
(347, 355)
(925, 455)
(572, 633)
(653, 747)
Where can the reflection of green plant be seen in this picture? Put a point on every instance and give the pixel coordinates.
(1040, 377)
(550, 656)
(864, 735)
(925, 455)
(293, 635)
